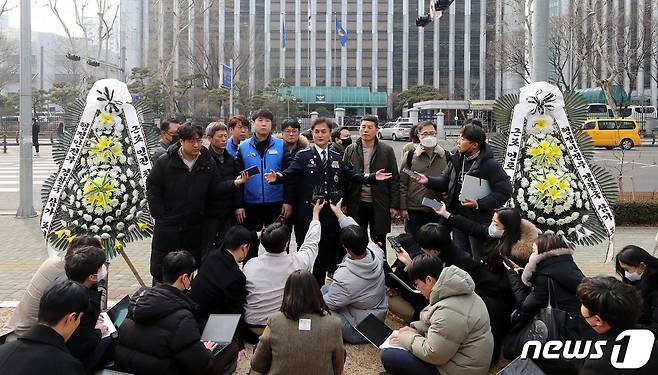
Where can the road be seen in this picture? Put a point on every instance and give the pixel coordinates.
(640, 168)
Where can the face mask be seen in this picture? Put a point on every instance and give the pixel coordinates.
(102, 273)
(632, 276)
(346, 142)
(428, 142)
(495, 232)
(175, 139)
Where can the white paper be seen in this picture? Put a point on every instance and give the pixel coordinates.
(387, 344)
(107, 322)
(304, 324)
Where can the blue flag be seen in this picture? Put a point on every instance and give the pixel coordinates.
(342, 34)
(283, 34)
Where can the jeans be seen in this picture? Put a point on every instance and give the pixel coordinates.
(350, 334)
(402, 362)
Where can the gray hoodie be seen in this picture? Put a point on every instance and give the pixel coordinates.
(358, 288)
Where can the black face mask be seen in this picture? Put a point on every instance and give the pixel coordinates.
(346, 142)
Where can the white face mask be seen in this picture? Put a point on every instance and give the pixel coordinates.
(495, 232)
(429, 142)
(632, 276)
(102, 273)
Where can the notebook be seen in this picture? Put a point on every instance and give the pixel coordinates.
(220, 329)
(403, 284)
(474, 188)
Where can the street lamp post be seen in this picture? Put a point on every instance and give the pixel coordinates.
(26, 204)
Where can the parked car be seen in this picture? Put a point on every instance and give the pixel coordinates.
(610, 133)
(395, 130)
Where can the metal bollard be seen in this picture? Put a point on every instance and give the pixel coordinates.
(4, 143)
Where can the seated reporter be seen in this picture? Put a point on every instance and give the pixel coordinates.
(303, 338)
(42, 349)
(49, 273)
(453, 336)
(160, 335)
(359, 287)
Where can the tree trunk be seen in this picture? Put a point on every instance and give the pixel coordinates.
(605, 85)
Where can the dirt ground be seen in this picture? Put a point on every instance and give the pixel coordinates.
(361, 359)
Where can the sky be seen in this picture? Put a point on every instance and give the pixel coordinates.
(45, 21)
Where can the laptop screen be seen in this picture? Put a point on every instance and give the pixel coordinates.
(374, 330)
(220, 328)
(119, 311)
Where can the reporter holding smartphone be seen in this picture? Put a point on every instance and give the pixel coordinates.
(429, 159)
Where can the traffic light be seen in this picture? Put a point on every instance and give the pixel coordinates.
(436, 8)
(93, 63)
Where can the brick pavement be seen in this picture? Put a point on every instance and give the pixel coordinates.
(22, 250)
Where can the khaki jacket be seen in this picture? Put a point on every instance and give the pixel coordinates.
(429, 164)
(453, 331)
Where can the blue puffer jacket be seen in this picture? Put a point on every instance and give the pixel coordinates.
(257, 190)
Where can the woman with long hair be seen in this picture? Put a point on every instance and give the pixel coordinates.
(303, 338)
(637, 267)
(507, 236)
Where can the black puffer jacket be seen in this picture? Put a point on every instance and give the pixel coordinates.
(227, 197)
(532, 287)
(649, 287)
(177, 197)
(484, 167)
(160, 335)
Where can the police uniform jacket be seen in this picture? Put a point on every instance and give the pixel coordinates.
(312, 176)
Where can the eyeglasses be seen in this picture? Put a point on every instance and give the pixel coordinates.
(428, 134)
(290, 132)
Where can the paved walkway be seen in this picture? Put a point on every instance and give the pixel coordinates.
(22, 250)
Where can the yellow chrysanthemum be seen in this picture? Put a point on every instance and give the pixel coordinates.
(105, 148)
(563, 185)
(118, 245)
(142, 226)
(535, 151)
(106, 118)
(541, 124)
(541, 186)
(71, 238)
(551, 180)
(60, 233)
(98, 192)
(554, 193)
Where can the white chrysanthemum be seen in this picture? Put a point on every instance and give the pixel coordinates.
(524, 182)
(532, 215)
(98, 221)
(99, 211)
(550, 221)
(107, 228)
(132, 228)
(105, 236)
(109, 219)
(94, 228)
(120, 235)
(524, 206)
(560, 222)
(84, 226)
(541, 220)
(584, 218)
(120, 226)
(575, 215)
(130, 217)
(87, 217)
(130, 173)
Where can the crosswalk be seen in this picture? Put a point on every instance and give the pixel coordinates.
(42, 167)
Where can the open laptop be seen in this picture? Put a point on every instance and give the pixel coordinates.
(375, 331)
(220, 329)
(114, 317)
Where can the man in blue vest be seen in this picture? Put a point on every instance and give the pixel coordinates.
(262, 203)
(319, 171)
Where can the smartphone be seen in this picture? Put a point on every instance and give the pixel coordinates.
(432, 203)
(251, 171)
(410, 173)
(508, 262)
(395, 244)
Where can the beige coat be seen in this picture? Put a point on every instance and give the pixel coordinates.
(429, 164)
(25, 315)
(284, 349)
(453, 332)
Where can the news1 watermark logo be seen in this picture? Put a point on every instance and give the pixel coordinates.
(638, 344)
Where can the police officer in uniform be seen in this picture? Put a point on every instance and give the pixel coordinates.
(321, 172)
